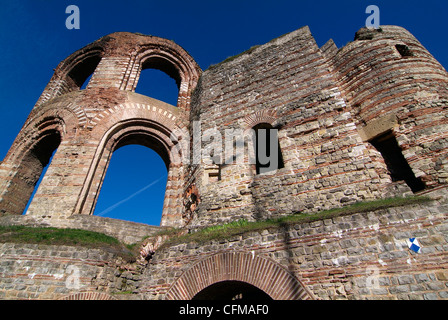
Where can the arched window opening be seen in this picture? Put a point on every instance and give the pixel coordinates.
(42, 175)
(80, 75)
(232, 290)
(33, 169)
(268, 155)
(159, 80)
(134, 186)
(396, 163)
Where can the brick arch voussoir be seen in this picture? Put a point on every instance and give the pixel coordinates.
(187, 68)
(62, 71)
(259, 271)
(127, 111)
(88, 296)
(62, 120)
(173, 54)
(78, 57)
(262, 116)
(110, 125)
(70, 113)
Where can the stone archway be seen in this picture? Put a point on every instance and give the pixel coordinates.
(94, 121)
(30, 152)
(72, 72)
(260, 272)
(231, 290)
(149, 125)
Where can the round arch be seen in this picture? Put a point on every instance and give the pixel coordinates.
(260, 272)
(261, 116)
(231, 290)
(72, 72)
(141, 124)
(30, 153)
(50, 117)
(172, 59)
(28, 169)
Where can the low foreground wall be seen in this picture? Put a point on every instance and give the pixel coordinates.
(360, 256)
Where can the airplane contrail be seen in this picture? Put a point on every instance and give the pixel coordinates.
(130, 197)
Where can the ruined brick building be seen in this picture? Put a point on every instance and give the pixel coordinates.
(363, 122)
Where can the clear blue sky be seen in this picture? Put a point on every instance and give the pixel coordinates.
(34, 40)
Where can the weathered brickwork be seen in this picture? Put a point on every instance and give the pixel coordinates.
(362, 122)
(49, 272)
(361, 256)
(86, 126)
(324, 102)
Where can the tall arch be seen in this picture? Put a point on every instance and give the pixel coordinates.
(26, 161)
(134, 185)
(170, 58)
(71, 73)
(159, 85)
(78, 73)
(258, 271)
(141, 124)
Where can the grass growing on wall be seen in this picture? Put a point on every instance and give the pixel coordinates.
(84, 238)
(240, 227)
(69, 237)
(23, 234)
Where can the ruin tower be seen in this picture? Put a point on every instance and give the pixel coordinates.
(86, 126)
(362, 122)
(397, 93)
(358, 123)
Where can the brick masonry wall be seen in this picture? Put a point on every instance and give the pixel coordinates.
(360, 256)
(327, 104)
(90, 123)
(379, 82)
(291, 84)
(50, 272)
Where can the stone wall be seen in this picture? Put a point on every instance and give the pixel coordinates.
(359, 256)
(125, 231)
(344, 118)
(30, 271)
(291, 84)
(333, 109)
(393, 83)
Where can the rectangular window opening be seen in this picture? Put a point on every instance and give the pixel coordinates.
(404, 50)
(397, 164)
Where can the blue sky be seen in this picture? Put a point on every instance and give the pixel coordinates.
(34, 40)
